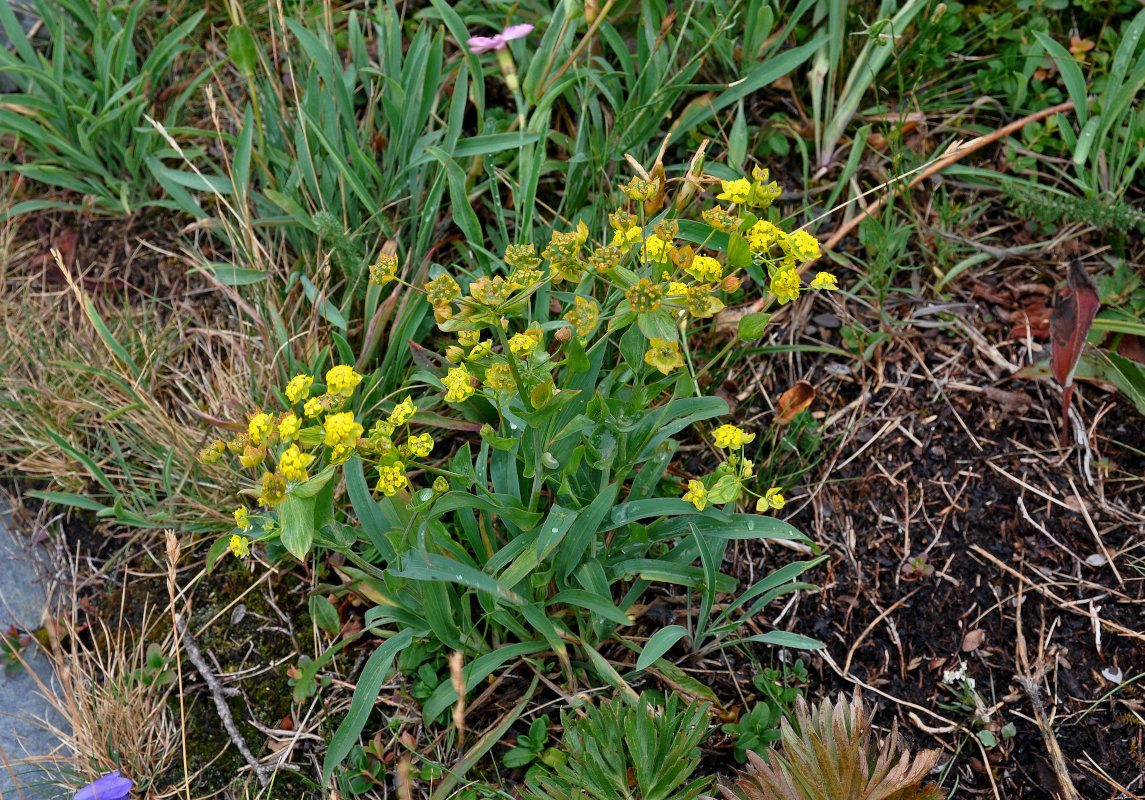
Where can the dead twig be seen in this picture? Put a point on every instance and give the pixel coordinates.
(218, 692)
(1030, 683)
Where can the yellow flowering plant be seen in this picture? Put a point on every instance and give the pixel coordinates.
(563, 379)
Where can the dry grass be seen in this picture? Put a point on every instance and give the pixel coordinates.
(118, 415)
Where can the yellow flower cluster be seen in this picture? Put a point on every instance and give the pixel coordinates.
(521, 345)
(391, 479)
(731, 436)
(260, 428)
(299, 387)
(457, 384)
(402, 412)
(341, 429)
(341, 380)
(421, 445)
(772, 498)
(697, 494)
(293, 463)
(384, 270)
(239, 546)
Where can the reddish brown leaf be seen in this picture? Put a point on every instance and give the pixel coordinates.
(1132, 347)
(794, 400)
(1070, 322)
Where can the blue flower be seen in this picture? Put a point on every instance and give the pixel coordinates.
(109, 787)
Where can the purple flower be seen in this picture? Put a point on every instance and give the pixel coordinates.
(483, 44)
(109, 787)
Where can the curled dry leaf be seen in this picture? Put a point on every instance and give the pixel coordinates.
(1070, 322)
(794, 400)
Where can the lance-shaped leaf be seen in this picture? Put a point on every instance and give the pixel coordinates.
(1070, 322)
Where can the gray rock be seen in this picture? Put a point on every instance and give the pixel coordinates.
(29, 749)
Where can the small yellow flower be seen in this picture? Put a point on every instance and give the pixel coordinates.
(239, 546)
(623, 240)
(391, 479)
(825, 280)
(522, 256)
(293, 463)
(340, 453)
(273, 489)
(736, 191)
(677, 289)
(785, 285)
(644, 296)
(705, 269)
(655, 250)
(288, 428)
(421, 445)
(260, 428)
(499, 377)
(663, 355)
(299, 387)
(212, 452)
(252, 456)
(384, 270)
(747, 468)
(481, 350)
(402, 412)
(731, 436)
(341, 429)
(720, 219)
(772, 498)
(238, 443)
(604, 260)
(522, 344)
(341, 380)
(801, 245)
(697, 494)
(242, 521)
(313, 408)
(457, 384)
(583, 316)
(761, 236)
(442, 290)
(639, 189)
(702, 304)
(468, 338)
(440, 485)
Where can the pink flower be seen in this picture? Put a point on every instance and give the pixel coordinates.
(483, 44)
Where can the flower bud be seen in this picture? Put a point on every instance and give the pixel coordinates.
(731, 283)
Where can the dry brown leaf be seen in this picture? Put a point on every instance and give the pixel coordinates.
(794, 400)
(973, 640)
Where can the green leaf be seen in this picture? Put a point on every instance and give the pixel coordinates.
(739, 254)
(315, 484)
(218, 549)
(783, 639)
(752, 326)
(108, 339)
(296, 516)
(369, 513)
(324, 614)
(658, 644)
(600, 606)
(658, 324)
(431, 567)
(377, 670)
(242, 49)
(69, 499)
